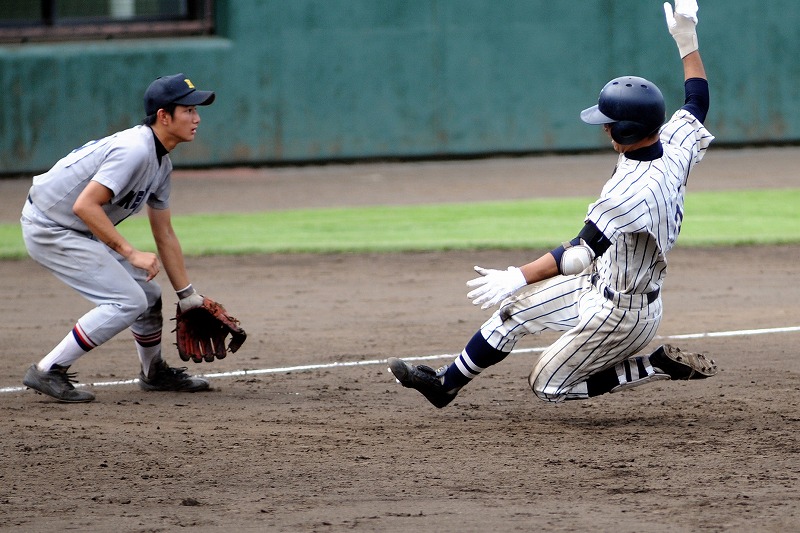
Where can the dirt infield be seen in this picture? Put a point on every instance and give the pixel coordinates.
(323, 439)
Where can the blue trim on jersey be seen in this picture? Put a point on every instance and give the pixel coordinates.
(648, 153)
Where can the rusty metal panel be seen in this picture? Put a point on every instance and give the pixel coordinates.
(316, 80)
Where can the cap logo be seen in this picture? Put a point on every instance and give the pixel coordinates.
(189, 83)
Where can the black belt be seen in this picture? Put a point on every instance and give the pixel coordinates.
(610, 294)
(651, 296)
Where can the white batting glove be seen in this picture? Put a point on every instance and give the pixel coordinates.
(681, 24)
(189, 298)
(494, 286)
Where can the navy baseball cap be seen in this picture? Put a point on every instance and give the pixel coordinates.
(175, 89)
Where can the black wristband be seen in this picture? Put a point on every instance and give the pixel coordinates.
(186, 291)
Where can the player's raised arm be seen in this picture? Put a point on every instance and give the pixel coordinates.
(682, 25)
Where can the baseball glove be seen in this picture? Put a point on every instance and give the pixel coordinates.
(202, 331)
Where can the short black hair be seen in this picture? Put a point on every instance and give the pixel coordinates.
(149, 120)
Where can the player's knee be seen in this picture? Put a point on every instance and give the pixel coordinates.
(152, 318)
(533, 385)
(538, 384)
(145, 302)
(133, 305)
(152, 292)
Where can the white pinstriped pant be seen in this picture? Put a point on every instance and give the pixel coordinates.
(597, 334)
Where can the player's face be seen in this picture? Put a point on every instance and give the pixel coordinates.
(183, 125)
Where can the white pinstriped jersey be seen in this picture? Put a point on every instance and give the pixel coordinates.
(125, 162)
(640, 209)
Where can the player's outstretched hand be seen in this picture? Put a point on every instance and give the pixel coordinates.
(494, 286)
(681, 24)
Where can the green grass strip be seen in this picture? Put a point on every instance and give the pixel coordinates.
(712, 219)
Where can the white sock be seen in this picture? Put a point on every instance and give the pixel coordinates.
(148, 355)
(64, 354)
(149, 349)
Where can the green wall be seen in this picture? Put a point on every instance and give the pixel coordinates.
(305, 80)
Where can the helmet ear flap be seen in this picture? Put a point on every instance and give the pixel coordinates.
(623, 132)
(628, 131)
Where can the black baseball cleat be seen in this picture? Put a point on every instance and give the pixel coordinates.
(682, 365)
(56, 383)
(166, 378)
(424, 379)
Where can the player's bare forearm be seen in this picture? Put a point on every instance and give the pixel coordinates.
(172, 258)
(543, 268)
(100, 225)
(693, 66)
(169, 247)
(89, 208)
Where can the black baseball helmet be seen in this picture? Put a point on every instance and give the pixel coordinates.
(633, 106)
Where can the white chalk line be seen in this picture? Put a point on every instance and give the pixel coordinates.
(345, 364)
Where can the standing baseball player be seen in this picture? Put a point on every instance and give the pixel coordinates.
(69, 226)
(602, 289)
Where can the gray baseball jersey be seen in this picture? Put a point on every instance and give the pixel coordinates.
(128, 164)
(125, 162)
